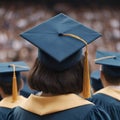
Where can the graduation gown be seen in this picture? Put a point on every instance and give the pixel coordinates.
(7, 104)
(109, 99)
(62, 107)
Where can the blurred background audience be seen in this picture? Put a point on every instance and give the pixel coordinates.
(18, 15)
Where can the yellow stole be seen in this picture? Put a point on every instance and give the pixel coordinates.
(45, 105)
(8, 101)
(110, 91)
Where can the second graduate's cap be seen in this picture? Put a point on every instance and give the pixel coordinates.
(95, 80)
(60, 40)
(6, 67)
(10, 71)
(110, 62)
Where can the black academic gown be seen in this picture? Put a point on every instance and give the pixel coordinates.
(7, 104)
(109, 99)
(63, 107)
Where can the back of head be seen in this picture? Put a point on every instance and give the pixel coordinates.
(56, 82)
(10, 77)
(6, 82)
(110, 62)
(60, 40)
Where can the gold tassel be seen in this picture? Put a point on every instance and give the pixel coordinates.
(86, 77)
(14, 85)
(86, 93)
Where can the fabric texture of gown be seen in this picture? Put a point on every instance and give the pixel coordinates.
(109, 99)
(63, 107)
(7, 104)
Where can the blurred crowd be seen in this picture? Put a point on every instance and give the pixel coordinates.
(16, 18)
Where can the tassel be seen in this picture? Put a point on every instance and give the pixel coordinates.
(86, 93)
(86, 77)
(14, 85)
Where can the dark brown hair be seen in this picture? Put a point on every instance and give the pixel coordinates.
(112, 79)
(56, 82)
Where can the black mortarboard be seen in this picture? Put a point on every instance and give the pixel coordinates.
(95, 80)
(9, 71)
(60, 40)
(110, 62)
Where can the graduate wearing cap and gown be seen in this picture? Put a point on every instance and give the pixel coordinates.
(96, 81)
(58, 73)
(10, 84)
(109, 96)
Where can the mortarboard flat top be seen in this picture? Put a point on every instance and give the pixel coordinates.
(19, 67)
(48, 37)
(110, 62)
(6, 70)
(108, 58)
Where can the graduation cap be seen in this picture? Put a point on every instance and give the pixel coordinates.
(9, 71)
(110, 62)
(95, 80)
(60, 40)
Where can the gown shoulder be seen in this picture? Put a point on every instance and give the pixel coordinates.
(86, 112)
(108, 103)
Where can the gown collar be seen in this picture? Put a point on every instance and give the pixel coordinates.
(112, 91)
(8, 101)
(45, 105)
